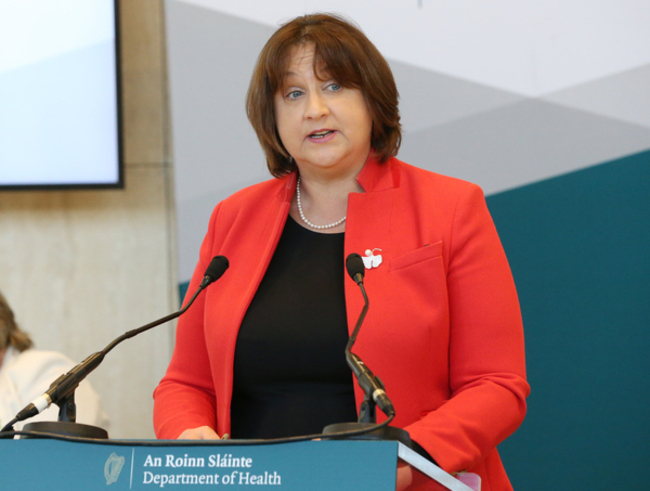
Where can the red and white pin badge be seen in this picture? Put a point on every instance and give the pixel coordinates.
(371, 259)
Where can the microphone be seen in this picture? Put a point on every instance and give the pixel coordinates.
(356, 269)
(64, 386)
(372, 385)
(215, 270)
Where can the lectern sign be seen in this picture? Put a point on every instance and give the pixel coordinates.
(318, 465)
(211, 469)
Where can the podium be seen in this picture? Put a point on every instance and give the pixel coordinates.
(36, 464)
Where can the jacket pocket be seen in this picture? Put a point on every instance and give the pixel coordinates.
(429, 251)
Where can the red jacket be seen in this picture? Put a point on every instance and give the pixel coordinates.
(443, 331)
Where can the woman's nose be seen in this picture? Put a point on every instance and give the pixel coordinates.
(316, 106)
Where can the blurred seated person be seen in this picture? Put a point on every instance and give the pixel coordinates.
(26, 373)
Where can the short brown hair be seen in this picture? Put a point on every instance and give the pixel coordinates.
(343, 52)
(10, 333)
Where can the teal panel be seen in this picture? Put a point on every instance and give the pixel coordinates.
(579, 248)
(182, 290)
(28, 465)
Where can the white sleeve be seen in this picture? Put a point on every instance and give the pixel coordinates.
(31, 374)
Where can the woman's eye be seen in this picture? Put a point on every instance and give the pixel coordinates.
(294, 94)
(334, 87)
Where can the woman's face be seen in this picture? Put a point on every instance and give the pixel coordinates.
(326, 128)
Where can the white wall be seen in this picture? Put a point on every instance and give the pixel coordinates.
(80, 268)
(501, 93)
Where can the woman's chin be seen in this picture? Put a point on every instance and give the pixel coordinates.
(330, 163)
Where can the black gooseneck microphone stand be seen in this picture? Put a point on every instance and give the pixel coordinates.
(372, 386)
(61, 391)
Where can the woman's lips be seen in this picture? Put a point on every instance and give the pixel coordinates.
(321, 135)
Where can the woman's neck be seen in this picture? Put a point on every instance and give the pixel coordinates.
(323, 202)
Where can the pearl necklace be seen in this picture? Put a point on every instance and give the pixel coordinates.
(304, 219)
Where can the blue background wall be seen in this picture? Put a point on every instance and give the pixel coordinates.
(579, 250)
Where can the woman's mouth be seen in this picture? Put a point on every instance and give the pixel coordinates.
(317, 135)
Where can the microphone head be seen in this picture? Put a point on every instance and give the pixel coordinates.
(217, 268)
(355, 267)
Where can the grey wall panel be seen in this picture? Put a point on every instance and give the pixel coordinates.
(522, 143)
(211, 58)
(429, 98)
(624, 96)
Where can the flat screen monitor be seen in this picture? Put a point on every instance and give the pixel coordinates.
(59, 95)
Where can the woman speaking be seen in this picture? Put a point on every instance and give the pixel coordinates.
(261, 354)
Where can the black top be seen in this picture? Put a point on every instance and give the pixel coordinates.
(290, 374)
